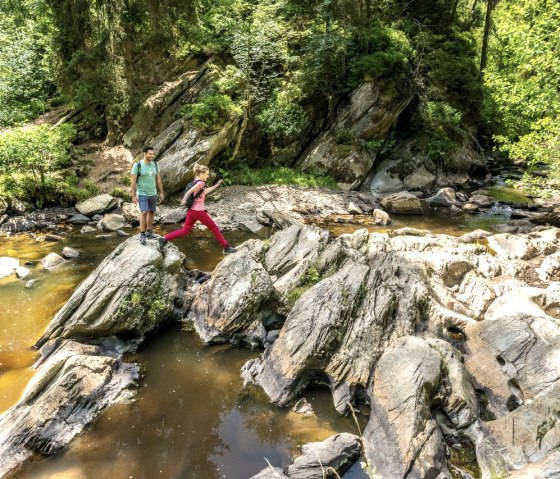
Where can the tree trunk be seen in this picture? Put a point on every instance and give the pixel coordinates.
(491, 4)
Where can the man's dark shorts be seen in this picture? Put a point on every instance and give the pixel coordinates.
(147, 203)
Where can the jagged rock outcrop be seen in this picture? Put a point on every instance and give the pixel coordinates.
(74, 382)
(469, 332)
(340, 151)
(132, 292)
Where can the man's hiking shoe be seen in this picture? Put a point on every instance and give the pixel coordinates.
(229, 250)
(162, 242)
(142, 238)
(150, 234)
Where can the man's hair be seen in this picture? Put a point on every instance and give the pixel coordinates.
(147, 148)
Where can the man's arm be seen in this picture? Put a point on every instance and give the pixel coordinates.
(133, 188)
(160, 187)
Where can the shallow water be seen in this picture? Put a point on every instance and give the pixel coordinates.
(191, 419)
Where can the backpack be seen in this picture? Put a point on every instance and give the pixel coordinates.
(139, 165)
(191, 198)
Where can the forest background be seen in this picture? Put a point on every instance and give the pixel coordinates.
(484, 70)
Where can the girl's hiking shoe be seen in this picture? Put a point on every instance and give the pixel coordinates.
(162, 242)
(229, 250)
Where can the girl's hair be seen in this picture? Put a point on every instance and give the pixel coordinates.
(199, 169)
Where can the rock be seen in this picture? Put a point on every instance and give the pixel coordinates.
(122, 233)
(515, 226)
(22, 272)
(482, 201)
(8, 266)
(4, 206)
(278, 218)
(96, 205)
(381, 218)
(73, 384)
(524, 436)
(96, 218)
(131, 212)
(470, 208)
(52, 260)
(510, 379)
(70, 253)
(338, 452)
(171, 216)
(30, 283)
(340, 151)
(105, 236)
(402, 203)
(401, 438)
(354, 209)
(79, 219)
(51, 237)
(247, 223)
(230, 306)
(304, 408)
(270, 473)
(18, 207)
(444, 197)
(421, 179)
(87, 229)
(291, 253)
(546, 468)
(3, 219)
(549, 269)
(132, 292)
(113, 222)
(512, 247)
(385, 181)
(475, 235)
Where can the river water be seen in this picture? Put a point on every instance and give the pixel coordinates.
(191, 418)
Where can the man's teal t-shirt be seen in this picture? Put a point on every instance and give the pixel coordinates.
(146, 182)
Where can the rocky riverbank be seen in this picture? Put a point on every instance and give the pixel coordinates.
(469, 325)
(252, 208)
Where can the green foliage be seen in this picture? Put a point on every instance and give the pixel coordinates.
(522, 77)
(120, 193)
(37, 165)
(283, 116)
(278, 176)
(25, 77)
(211, 111)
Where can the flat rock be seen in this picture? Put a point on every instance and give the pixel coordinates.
(354, 209)
(79, 219)
(70, 253)
(512, 247)
(87, 229)
(247, 223)
(338, 452)
(96, 205)
(402, 203)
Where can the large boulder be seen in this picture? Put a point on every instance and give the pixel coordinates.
(402, 203)
(420, 180)
(113, 222)
(52, 260)
(132, 292)
(444, 197)
(232, 304)
(401, 438)
(73, 384)
(96, 205)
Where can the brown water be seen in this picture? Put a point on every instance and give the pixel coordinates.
(191, 419)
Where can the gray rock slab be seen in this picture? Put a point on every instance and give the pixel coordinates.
(96, 205)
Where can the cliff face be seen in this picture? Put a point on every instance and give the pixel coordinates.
(341, 139)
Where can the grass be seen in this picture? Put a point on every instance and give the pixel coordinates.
(277, 176)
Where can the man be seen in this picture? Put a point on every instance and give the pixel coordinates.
(145, 183)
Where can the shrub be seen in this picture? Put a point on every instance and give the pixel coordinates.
(211, 111)
(37, 165)
(279, 176)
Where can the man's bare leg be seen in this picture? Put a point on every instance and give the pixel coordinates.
(150, 220)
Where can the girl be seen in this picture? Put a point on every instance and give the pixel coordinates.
(197, 212)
